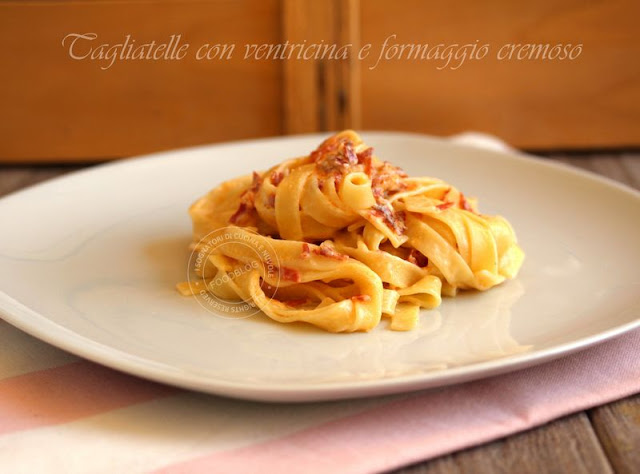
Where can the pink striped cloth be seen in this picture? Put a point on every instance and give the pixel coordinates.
(63, 414)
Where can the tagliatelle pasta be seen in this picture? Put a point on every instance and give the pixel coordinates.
(346, 239)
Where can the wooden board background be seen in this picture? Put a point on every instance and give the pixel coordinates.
(57, 109)
(592, 101)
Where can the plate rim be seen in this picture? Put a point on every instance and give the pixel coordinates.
(35, 324)
(288, 392)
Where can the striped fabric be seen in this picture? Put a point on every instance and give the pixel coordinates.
(59, 413)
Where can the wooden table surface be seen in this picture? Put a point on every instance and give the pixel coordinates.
(601, 440)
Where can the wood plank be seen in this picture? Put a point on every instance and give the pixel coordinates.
(349, 114)
(14, 178)
(622, 168)
(321, 94)
(304, 80)
(59, 109)
(631, 162)
(618, 428)
(567, 445)
(609, 166)
(592, 101)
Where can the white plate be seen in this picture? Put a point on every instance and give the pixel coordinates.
(89, 262)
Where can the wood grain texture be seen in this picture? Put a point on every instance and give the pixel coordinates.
(55, 108)
(568, 445)
(304, 89)
(58, 108)
(631, 163)
(591, 101)
(15, 178)
(617, 425)
(349, 77)
(624, 169)
(321, 94)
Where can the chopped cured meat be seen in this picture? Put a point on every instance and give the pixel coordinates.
(395, 220)
(276, 177)
(361, 298)
(324, 249)
(386, 180)
(417, 258)
(327, 250)
(444, 205)
(247, 200)
(464, 204)
(290, 274)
